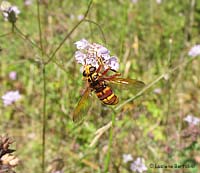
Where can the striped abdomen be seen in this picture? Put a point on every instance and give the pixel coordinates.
(107, 96)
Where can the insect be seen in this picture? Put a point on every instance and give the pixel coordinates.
(98, 82)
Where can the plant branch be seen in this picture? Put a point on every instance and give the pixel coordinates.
(101, 30)
(69, 34)
(39, 26)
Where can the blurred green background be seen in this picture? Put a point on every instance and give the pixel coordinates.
(149, 37)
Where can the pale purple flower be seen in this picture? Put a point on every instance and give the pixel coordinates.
(80, 57)
(82, 44)
(60, 171)
(138, 165)
(28, 2)
(192, 120)
(13, 75)
(127, 158)
(95, 54)
(159, 1)
(134, 1)
(10, 97)
(80, 17)
(157, 90)
(10, 13)
(194, 51)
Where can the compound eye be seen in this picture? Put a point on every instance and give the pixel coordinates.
(84, 73)
(92, 69)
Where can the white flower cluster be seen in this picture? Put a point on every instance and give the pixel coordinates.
(136, 166)
(10, 13)
(94, 54)
(11, 97)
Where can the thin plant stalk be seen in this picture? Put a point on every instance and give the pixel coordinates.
(44, 89)
(44, 118)
(69, 34)
(107, 160)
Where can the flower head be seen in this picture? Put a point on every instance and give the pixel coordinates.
(28, 2)
(13, 75)
(95, 54)
(10, 13)
(194, 51)
(11, 97)
(127, 158)
(159, 1)
(192, 120)
(157, 90)
(138, 165)
(80, 17)
(134, 1)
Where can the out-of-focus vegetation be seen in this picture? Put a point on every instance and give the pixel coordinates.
(149, 37)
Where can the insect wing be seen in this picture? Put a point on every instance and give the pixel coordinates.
(127, 83)
(82, 106)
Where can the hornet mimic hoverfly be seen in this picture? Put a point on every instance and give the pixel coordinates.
(98, 82)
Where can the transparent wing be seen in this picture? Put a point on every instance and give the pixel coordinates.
(127, 83)
(82, 106)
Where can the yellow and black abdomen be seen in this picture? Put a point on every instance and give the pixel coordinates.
(106, 95)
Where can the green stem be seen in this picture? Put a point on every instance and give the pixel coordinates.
(44, 119)
(44, 89)
(39, 26)
(107, 160)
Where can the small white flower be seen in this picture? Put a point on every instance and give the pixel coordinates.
(10, 97)
(13, 75)
(192, 120)
(157, 90)
(72, 17)
(127, 158)
(134, 1)
(58, 171)
(159, 1)
(28, 2)
(80, 17)
(138, 165)
(166, 76)
(82, 44)
(194, 51)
